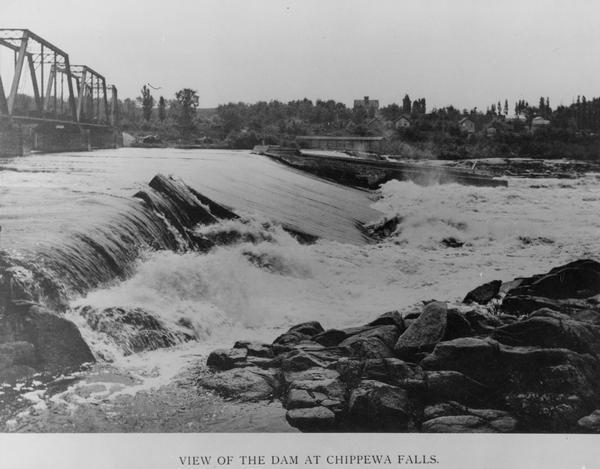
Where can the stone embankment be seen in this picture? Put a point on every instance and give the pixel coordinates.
(521, 356)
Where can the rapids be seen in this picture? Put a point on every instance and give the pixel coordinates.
(259, 279)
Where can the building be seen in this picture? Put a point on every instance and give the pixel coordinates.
(467, 125)
(402, 123)
(366, 144)
(368, 104)
(539, 123)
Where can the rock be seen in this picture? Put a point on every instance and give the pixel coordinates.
(225, 359)
(183, 204)
(374, 342)
(476, 358)
(299, 359)
(522, 305)
(17, 353)
(301, 398)
(447, 385)
(255, 349)
(318, 418)
(298, 333)
(579, 279)
(310, 328)
(395, 372)
(484, 293)
(501, 423)
(133, 329)
(332, 388)
(457, 325)
(378, 405)
(425, 332)
(443, 409)
(482, 321)
(590, 423)
(17, 360)
(551, 329)
(547, 412)
(452, 242)
(262, 362)
(386, 334)
(285, 342)
(244, 384)
(391, 318)
(58, 344)
(446, 417)
(371, 347)
(312, 374)
(330, 337)
(587, 315)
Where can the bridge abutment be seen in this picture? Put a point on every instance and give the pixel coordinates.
(71, 138)
(11, 141)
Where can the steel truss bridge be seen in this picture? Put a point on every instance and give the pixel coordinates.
(45, 88)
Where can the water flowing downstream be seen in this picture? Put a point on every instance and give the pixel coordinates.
(150, 296)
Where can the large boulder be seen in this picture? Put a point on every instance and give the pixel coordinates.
(392, 371)
(332, 388)
(374, 404)
(576, 280)
(299, 359)
(255, 349)
(579, 279)
(374, 342)
(453, 418)
(318, 418)
(424, 332)
(297, 334)
(57, 342)
(484, 293)
(447, 385)
(244, 384)
(390, 318)
(551, 329)
(17, 360)
(474, 357)
(226, 359)
(134, 330)
(590, 423)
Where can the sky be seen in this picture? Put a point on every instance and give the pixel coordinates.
(469, 53)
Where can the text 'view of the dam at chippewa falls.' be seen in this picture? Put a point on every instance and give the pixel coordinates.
(382, 269)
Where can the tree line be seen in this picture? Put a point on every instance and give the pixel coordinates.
(242, 125)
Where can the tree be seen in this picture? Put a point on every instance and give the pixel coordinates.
(506, 107)
(147, 103)
(162, 109)
(187, 103)
(406, 104)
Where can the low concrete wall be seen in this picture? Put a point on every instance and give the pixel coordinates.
(370, 174)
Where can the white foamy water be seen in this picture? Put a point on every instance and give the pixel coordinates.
(507, 232)
(267, 281)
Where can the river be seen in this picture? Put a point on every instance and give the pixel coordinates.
(525, 228)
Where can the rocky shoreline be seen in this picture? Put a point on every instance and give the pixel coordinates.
(520, 356)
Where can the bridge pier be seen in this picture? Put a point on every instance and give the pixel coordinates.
(57, 138)
(11, 141)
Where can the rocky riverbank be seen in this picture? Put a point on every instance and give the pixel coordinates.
(519, 356)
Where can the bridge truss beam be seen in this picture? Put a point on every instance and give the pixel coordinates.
(61, 92)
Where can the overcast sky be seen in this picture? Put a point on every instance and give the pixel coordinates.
(461, 52)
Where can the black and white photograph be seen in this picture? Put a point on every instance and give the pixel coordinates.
(283, 233)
